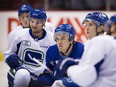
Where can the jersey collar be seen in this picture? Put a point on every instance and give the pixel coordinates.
(36, 39)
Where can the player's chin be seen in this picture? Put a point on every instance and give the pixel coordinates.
(60, 49)
(26, 25)
(34, 29)
(89, 36)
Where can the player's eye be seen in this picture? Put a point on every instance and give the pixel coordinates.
(39, 22)
(22, 17)
(63, 38)
(56, 39)
(27, 16)
(32, 21)
(88, 25)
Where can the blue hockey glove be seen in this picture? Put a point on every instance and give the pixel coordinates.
(13, 61)
(62, 67)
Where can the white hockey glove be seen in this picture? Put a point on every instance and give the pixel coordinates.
(58, 83)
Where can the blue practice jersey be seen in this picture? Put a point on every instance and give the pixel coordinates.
(53, 55)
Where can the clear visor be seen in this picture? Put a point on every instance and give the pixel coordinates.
(91, 20)
(61, 33)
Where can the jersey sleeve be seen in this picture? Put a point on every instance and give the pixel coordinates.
(82, 75)
(49, 27)
(94, 52)
(85, 73)
(48, 59)
(13, 34)
(12, 46)
(52, 56)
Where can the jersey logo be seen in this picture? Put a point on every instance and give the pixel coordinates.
(26, 43)
(39, 55)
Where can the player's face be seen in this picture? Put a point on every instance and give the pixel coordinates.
(23, 18)
(63, 42)
(113, 28)
(90, 29)
(36, 25)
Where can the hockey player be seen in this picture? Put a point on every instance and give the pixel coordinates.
(97, 67)
(94, 25)
(111, 26)
(23, 14)
(30, 43)
(48, 25)
(65, 47)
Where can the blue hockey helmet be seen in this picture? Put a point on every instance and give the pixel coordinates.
(113, 18)
(24, 8)
(109, 22)
(97, 17)
(39, 14)
(66, 28)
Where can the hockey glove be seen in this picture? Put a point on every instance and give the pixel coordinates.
(13, 61)
(62, 67)
(58, 83)
(64, 82)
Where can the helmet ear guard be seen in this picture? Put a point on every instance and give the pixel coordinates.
(71, 37)
(44, 22)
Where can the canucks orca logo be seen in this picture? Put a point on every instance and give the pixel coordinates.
(32, 53)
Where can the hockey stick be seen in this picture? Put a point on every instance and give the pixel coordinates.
(38, 62)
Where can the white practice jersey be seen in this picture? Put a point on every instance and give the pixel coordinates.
(49, 27)
(25, 45)
(99, 52)
(13, 34)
